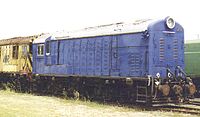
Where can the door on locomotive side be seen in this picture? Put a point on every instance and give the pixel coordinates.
(48, 57)
(114, 56)
(132, 52)
(106, 56)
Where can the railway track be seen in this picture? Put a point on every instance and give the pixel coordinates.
(194, 102)
(179, 109)
(192, 107)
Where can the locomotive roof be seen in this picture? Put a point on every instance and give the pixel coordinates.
(102, 30)
(17, 40)
(42, 38)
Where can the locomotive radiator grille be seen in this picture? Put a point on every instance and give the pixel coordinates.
(161, 49)
(134, 63)
(175, 49)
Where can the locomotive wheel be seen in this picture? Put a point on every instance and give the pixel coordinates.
(192, 89)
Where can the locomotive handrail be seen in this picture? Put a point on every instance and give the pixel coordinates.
(180, 70)
(149, 80)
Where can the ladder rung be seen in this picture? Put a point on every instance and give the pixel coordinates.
(141, 94)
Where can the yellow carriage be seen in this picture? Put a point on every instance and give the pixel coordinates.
(16, 55)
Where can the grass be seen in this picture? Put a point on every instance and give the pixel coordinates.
(25, 105)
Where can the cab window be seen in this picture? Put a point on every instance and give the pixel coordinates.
(24, 50)
(40, 50)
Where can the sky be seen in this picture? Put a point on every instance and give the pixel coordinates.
(29, 17)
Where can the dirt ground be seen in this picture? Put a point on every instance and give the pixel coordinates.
(26, 105)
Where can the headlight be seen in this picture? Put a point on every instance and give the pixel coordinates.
(169, 75)
(158, 75)
(170, 22)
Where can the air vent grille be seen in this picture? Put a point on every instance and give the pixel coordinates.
(162, 49)
(175, 48)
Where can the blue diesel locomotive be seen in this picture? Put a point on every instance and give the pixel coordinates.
(141, 61)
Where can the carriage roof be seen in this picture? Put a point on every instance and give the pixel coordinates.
(17, 40)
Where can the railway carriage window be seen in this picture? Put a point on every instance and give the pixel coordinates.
(48, 47)
(15, 52)
(40, 50)
(24, 50)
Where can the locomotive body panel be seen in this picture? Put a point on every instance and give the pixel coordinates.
(116, 55)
